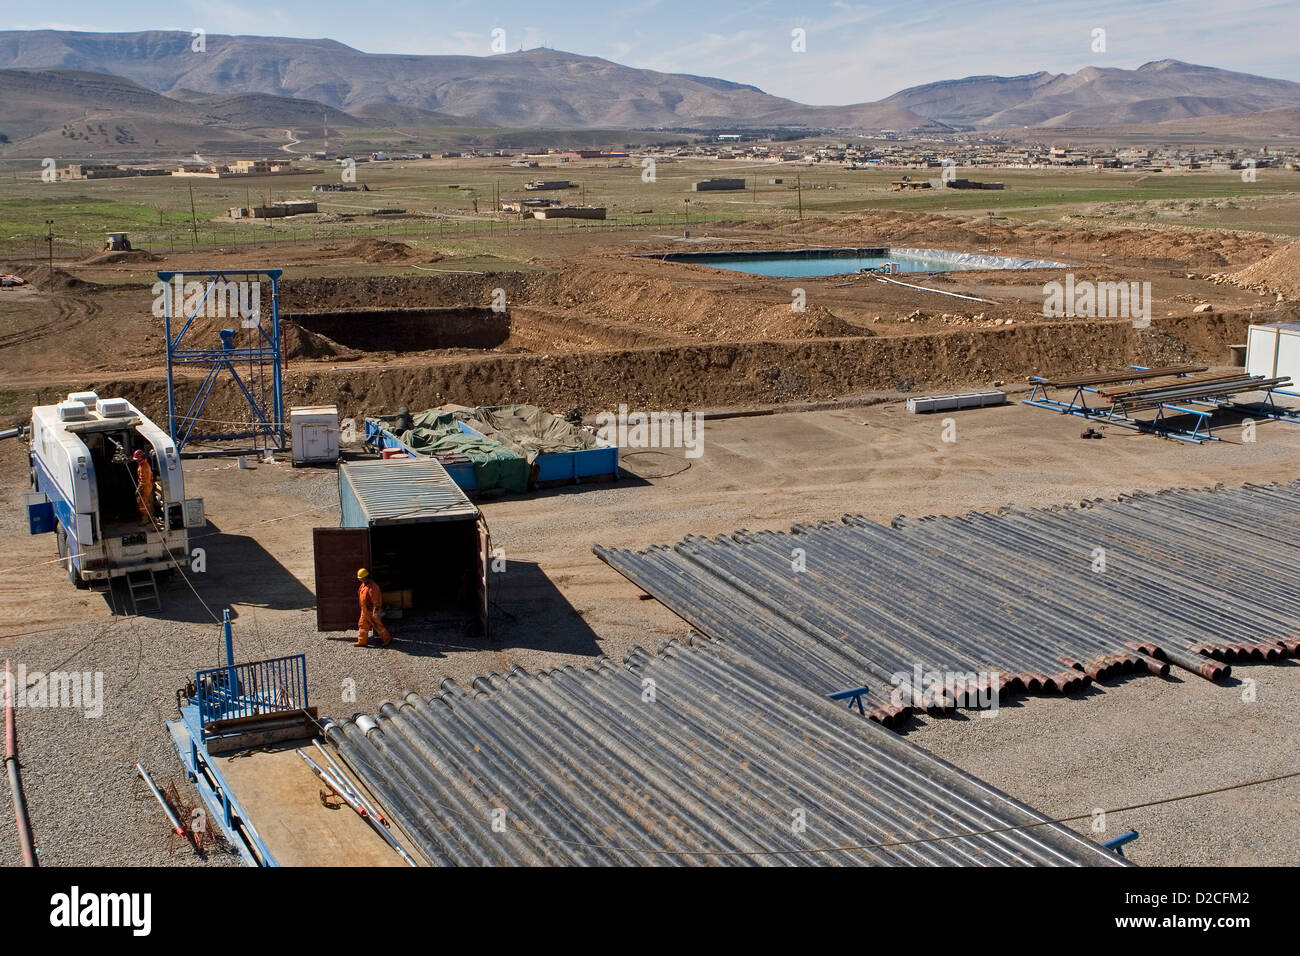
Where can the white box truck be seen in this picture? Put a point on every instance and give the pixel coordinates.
(84, 489)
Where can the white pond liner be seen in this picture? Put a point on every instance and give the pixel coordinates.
(975, 260)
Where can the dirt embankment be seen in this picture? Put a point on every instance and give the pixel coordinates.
(1200, 249)
(741, 373)
(356, 293)
(675, 311)
(579, 308)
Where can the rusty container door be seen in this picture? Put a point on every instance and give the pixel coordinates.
(338, 552)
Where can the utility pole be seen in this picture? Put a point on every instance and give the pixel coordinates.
(49, 241)
(798, 185)
(194, 219)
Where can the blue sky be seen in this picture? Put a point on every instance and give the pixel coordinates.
(855, 51)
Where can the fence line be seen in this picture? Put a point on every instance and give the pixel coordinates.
(212, 237)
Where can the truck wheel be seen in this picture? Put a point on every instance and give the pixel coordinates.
(73, 576)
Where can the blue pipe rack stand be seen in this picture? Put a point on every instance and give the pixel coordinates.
(854, 696)
(1117, 843)
(1078, 405)
(262, 358)
(1116, 414)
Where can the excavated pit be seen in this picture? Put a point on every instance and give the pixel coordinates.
(408, 330)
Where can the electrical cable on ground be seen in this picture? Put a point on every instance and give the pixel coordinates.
(158, 527)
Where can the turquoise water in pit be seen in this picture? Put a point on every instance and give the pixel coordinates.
(811, 263)
(797, 267)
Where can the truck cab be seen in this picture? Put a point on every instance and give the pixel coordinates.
(84, 489)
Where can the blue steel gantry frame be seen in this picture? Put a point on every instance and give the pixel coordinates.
(260, 358)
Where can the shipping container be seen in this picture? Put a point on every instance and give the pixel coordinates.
(426, 546)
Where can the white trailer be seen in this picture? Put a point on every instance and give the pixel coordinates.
(1273, 349)
(84, 490)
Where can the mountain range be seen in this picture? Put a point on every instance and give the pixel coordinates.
(1153, 93)
(152, 86)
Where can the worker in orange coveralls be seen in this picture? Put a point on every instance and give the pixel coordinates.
(143, 486)
(372, 610)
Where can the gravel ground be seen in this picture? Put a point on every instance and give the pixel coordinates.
(1144, 739)
(87, 806)
(1136, 740)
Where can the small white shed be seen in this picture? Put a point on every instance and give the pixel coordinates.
(314, 432)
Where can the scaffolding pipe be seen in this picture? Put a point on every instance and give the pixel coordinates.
(347, 797)
(15, 776)
(343, 778)
(908, 285)
(157, 795)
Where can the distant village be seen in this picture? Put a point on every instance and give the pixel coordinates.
(889, 149)
(892, 149)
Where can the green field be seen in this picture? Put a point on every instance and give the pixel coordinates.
(450, 203)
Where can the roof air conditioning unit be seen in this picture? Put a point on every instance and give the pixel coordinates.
(113, 408)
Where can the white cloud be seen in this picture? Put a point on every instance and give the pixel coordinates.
(857, 53)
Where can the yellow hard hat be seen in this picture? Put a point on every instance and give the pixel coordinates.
(363, 573)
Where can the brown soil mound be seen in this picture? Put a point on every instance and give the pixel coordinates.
(56, 281)
(781, 322)
(1277, 273)
(374, 250)
(299, 343)
(120, 256)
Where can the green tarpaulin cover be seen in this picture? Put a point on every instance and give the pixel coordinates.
(513, 437)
